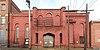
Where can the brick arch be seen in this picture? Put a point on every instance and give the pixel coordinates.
(40, 17)
(17, 24)
(48, 15)
(48, 34)
(26, 24)
(57, 22)
(40, 20)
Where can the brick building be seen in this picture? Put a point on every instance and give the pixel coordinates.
(48, 28)
(95, 36)
(7, 7)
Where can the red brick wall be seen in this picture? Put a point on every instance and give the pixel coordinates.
(95, 30)
(59, 25)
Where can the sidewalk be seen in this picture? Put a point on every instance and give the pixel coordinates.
(46, 49)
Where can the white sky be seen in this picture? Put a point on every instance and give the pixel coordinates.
(53, 4)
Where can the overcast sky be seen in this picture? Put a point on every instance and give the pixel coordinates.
(73, 4)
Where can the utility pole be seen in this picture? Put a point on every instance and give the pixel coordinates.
(86, 25)
(86, 28)
(68, 30)
(30, 39)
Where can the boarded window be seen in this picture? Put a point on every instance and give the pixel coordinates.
(71, 33)
(81, 39)
(48, 21)
(60, 38)
(40, 21)
(36, 38)
(57, 21)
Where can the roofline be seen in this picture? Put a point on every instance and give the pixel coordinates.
(15, 6)
(49, 8)
(95, 21)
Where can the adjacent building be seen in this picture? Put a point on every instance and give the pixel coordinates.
(49, 28)
(95, 33)
(7, 7)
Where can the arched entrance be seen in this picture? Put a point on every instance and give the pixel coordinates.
(48, 40)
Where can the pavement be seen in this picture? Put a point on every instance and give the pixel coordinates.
(35, 48)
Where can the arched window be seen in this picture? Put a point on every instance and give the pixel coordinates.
(17, 35)
(82, 29)
(57, 20)
(81, 33)
(27, 31)
(48, 20)
(40, 20)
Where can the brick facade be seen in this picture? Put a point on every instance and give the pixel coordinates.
(95, 30)
(10, 8)
(49, 28)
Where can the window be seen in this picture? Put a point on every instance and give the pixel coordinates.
(17, 35)
(3, 7)
(40, 21)
(81, 39)
(3, 20)
(2, 36)
(36, 38)
(27, 31)
(57, 21)
(48, 21)
(60, 38)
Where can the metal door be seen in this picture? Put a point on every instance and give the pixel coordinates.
(48, 41)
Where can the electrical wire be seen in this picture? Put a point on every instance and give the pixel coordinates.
(76, 4)
(70, 3)
(82, 4)
(92, 3)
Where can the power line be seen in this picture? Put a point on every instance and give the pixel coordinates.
(76, 4)
(73, 3)
(70, 3)
(82, 4)
(93, 3)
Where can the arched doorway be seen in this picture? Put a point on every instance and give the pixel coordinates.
(48, 40)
